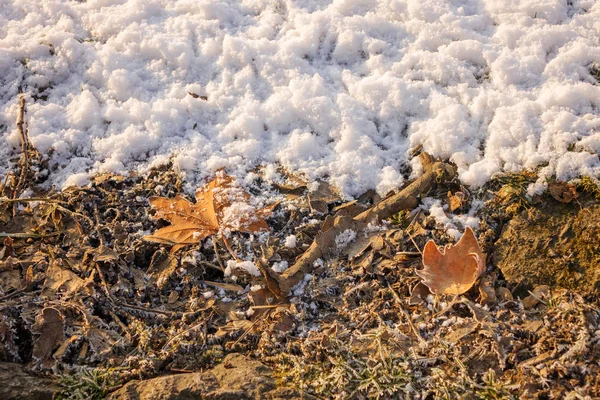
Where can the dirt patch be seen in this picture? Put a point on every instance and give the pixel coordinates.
(555, 244)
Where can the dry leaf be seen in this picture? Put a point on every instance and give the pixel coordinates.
(456, 200)
(7, 250)
(218, 206)
(454, 268)
(320, 199)
(562, 191)
(418, 294)
(50, 326)
(59, 279)
(225, 286)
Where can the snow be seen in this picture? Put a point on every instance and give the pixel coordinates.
(343, 239)
(280, 266)
(338, 89)
(290, 241)
(247, 266)
(454, 224)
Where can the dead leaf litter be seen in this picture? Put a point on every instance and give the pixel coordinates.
(129, 278)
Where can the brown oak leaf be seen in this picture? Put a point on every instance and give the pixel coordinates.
(454, 268)
(219, 206)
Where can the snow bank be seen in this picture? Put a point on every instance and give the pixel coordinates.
(340, 89)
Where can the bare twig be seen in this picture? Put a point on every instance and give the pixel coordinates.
(228, 246)
(24, 148)
(217, 255)
(32, 200)
(407, 198)
(22, 235)
(203, 323)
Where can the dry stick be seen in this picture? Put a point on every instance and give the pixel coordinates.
(236, 258)
(217, 255)
(406, 315)
(32, 200)
(202, 323)
(24, 148)
(258, 319)
(408, 198)
(5, 184)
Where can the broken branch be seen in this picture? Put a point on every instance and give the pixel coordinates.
(407, 198)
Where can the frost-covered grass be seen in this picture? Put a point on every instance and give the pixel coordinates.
(340, 88)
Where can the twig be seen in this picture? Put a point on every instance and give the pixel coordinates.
(175, 314)
(208, 264)
(97, 217)
(204, 322)
(104, 283)
(407, 198)
(13, 294)
(22, 235)
(405, 314)
(24, 148)
(414, 243)
(260, 318)
(230, 249)
(32, 200)
(217, 255)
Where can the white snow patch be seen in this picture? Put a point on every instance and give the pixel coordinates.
(343, 239)
(247, 266)
(452, 222)
(290, 241)
(280, 266)
(340, 89)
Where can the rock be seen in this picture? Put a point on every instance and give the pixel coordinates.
(236, 378)
(15, 384)
(556, 245)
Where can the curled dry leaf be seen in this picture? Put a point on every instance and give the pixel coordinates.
(562, 191)
(218, 205)
(454, 268)
(50, 326)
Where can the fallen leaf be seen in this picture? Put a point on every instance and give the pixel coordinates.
(456, 335)
(418, 294)
(225, 286)
(59, 279)
(219, 205)
(562, 191)
(64, 346)
(102, 341)
(539, 294)
(504, 294)
(7, 250)
(454, 268)
(486, 291)
(50, 326)
(320, 199)
(456, 200)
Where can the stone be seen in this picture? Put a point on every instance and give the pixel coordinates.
(16, 384)
(236, 378)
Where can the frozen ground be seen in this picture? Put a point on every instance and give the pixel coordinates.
(339, 88)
